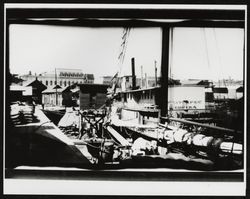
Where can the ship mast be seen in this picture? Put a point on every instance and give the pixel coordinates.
(155, 74)
(56, 87)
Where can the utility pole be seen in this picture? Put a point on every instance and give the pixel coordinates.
(141, 76)
(146, 80)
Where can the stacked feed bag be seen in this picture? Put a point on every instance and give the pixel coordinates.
(21, 114)
(28, 114)
(15, 114)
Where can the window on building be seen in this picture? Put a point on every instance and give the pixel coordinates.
(47, 83)
(60, 83)
(65, 83)
(69, 83)
(151, 95)
(55, 82)
(125, 97)
(51, 83)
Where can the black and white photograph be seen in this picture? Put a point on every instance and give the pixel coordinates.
(133, 99)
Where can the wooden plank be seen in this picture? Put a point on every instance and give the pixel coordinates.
(118, 137)
(201, 125)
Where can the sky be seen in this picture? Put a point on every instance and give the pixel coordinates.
(41, 48)
(196, 53)
(207, 53)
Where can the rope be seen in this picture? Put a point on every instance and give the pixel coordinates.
(232, 148)
(124, 44)
(218, 50)
(127, 132)
(206, 47)
(92, 145)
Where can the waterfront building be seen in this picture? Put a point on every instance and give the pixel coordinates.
(220, 93)
(37, 88)
(107, 80)
(60, 76)
(20, 93)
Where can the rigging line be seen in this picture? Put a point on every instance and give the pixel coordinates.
(123, 41)
(126, 44)
(92, 145)
(123, 49)
(219, 54)
(206, 47)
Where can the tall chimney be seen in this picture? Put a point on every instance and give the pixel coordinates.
(155, 74)
(146, 80)
(133, 73)
(141, 76)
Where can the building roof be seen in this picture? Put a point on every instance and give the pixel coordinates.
(17, 88)
(70, 88)
(190, 81)
(204, 82)
(240, 89)
(141, 90)
(27, 82)
(15, 79)
(93, 88)
(57, 87)
(37, 84)
(220, 90)
(52, 90)
(26, 90)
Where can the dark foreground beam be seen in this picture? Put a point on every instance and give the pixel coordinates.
(132, 13)
(130, 23)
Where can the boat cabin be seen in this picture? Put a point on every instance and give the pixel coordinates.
(92, 95)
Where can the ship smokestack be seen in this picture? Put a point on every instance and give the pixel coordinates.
(133, 73)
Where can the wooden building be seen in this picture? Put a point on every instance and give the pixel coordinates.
(220, 93)
(37, 88)
(20, 93)
(52, 96)
(70, 96)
